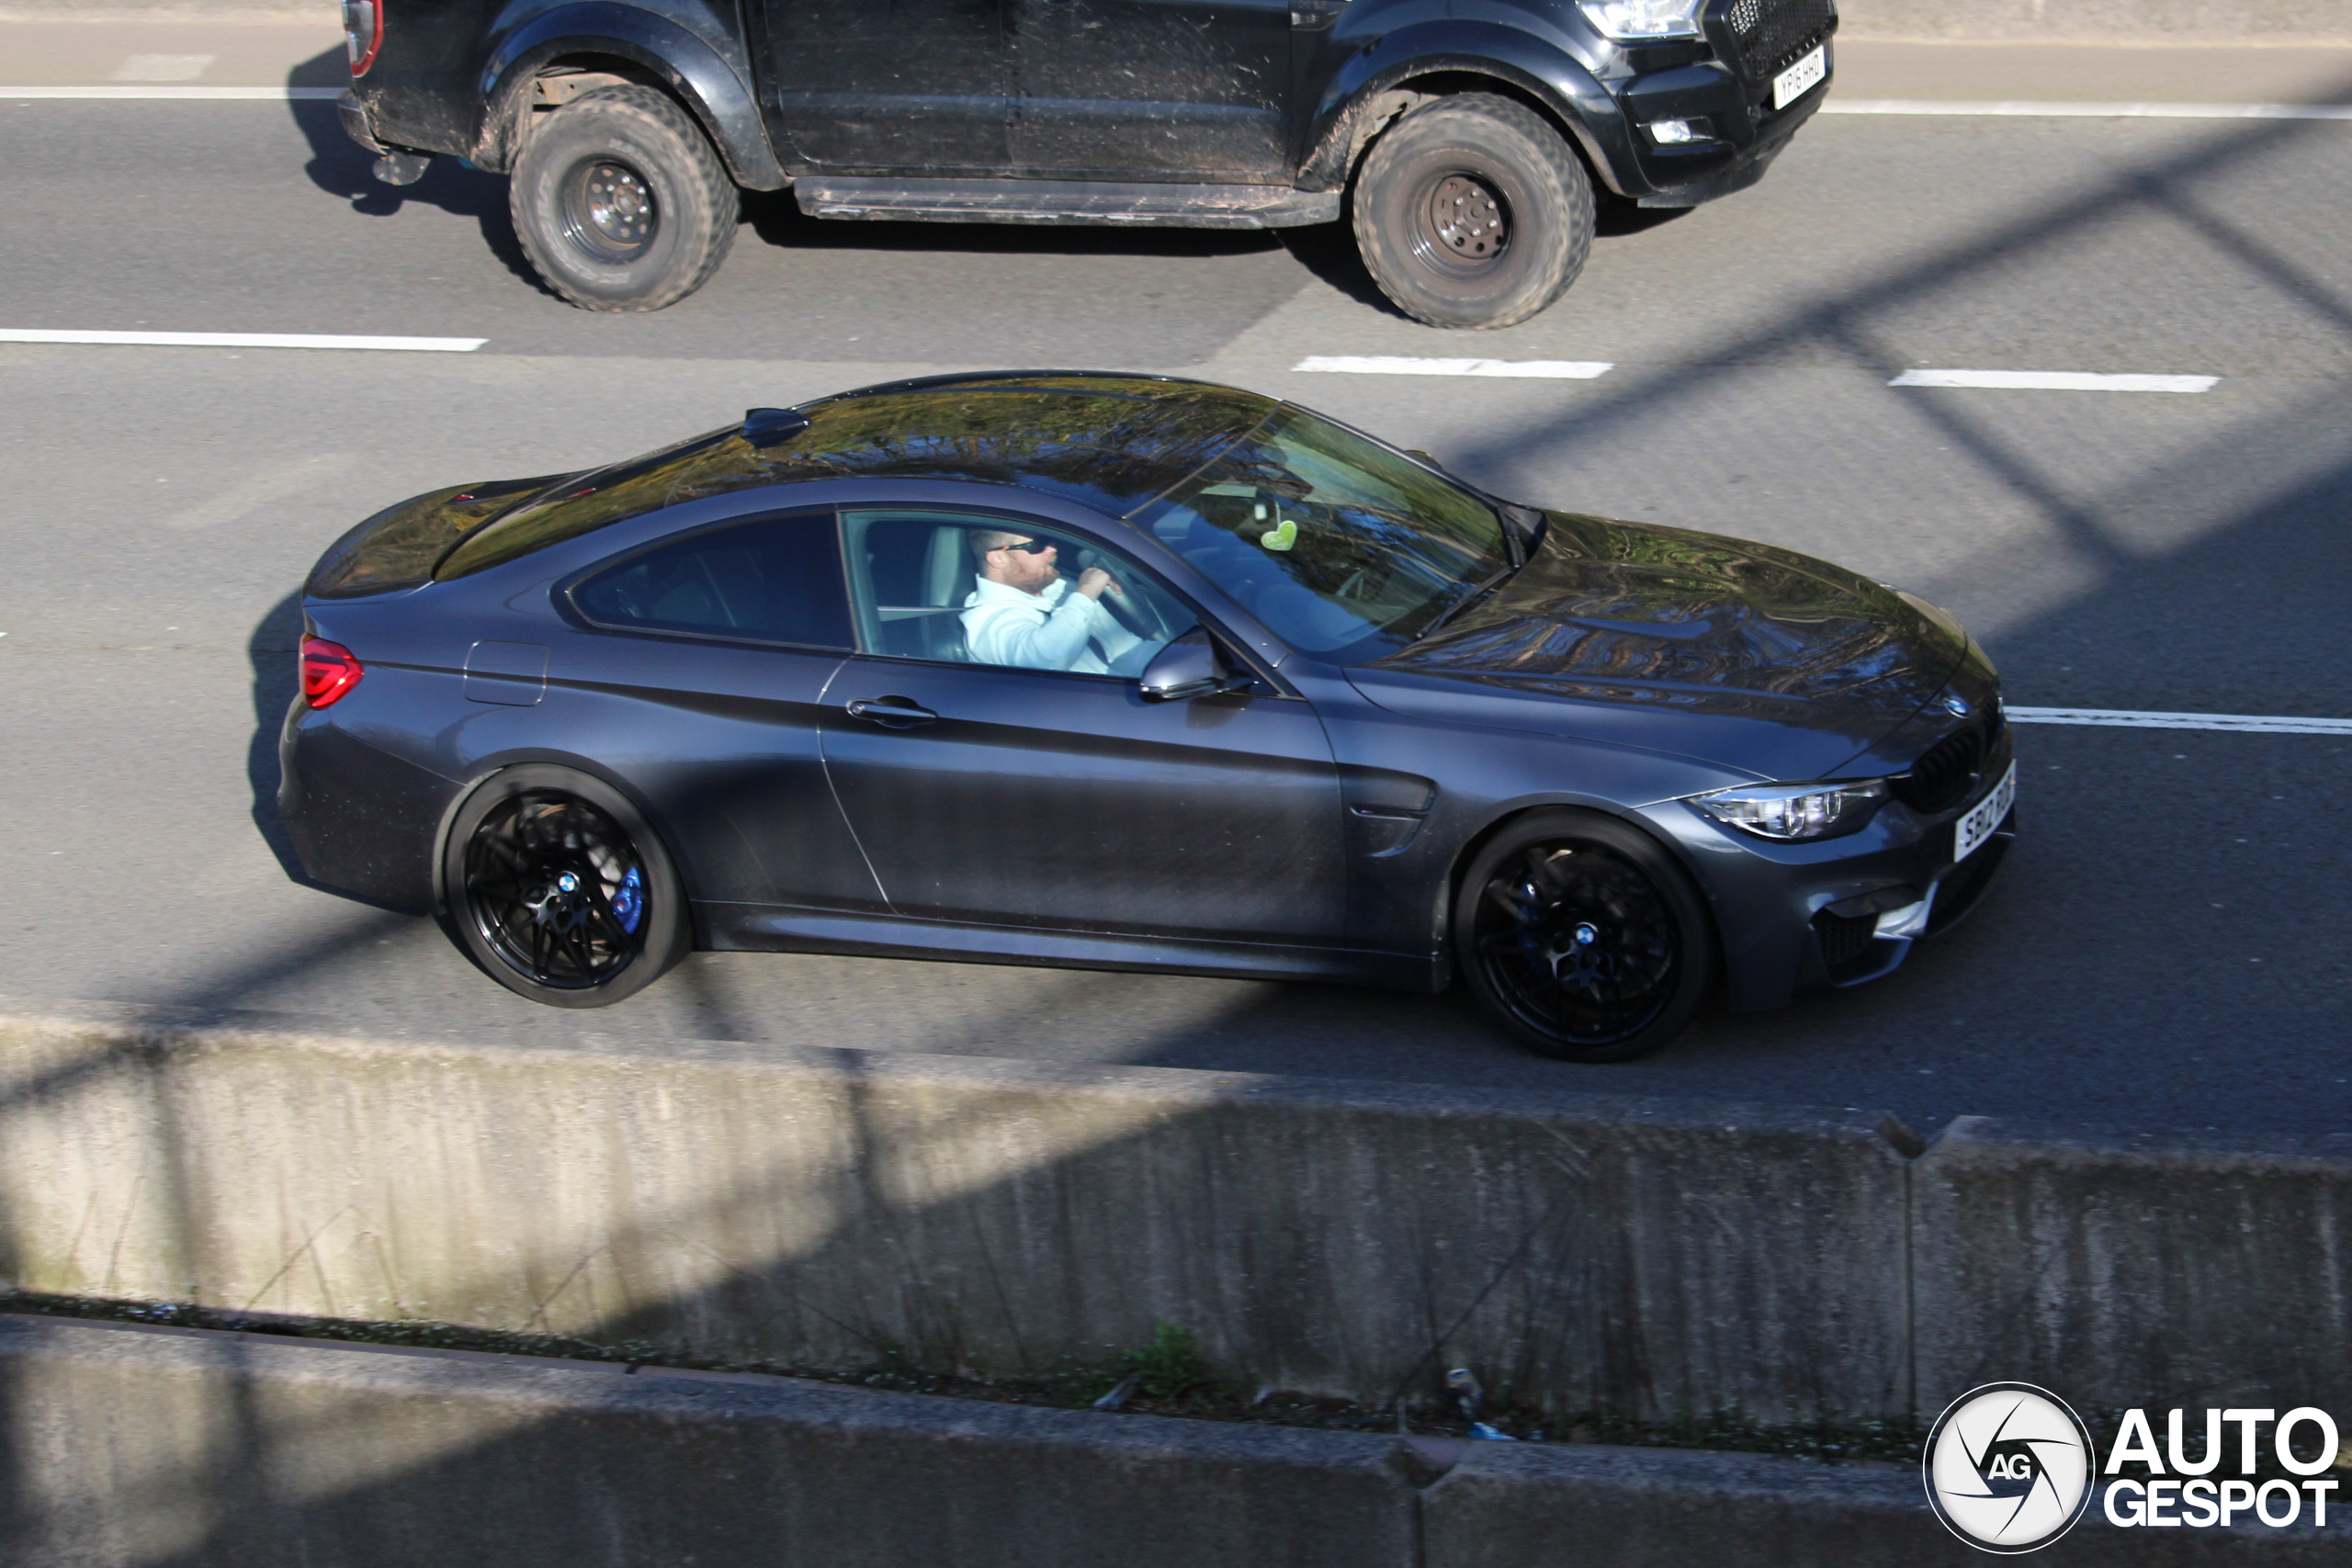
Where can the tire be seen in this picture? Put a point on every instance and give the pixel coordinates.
(1583, 937)
(621, 202)
(509, 849)
(1472, 211)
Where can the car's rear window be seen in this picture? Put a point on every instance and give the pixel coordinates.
(775, 581)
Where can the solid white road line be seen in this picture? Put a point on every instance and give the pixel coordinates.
(2056, 381)
(1389, 364)
(2244, 723)
(245, 340)
(2091, 111)
(119, 90)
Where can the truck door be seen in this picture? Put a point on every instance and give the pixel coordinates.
(1152, 89)
(914, 86)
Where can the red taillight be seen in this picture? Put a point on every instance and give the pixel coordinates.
(363, 32)
(329, 671)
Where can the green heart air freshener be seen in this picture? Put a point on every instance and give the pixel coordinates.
(1282, 539)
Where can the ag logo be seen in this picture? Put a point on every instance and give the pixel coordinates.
(2008, 1467)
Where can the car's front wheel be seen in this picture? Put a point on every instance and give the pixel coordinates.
(560, 890)
(621, 202)
(1583, 937)
(1473, 211)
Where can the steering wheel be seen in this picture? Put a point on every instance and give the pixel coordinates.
(1133, 609)
(1137, 614)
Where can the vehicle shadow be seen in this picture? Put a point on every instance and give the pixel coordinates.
(274, 649)
(340, 168)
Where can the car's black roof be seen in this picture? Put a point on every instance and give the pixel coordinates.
(1112, 441)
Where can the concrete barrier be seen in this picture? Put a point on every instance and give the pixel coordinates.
(156, 1448)
(2126, 1271)
(834, 1209)
(755, 1206)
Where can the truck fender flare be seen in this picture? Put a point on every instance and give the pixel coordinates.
(713, 89)
(1376, 85)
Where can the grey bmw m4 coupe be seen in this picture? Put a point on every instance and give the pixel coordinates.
(1131, 672)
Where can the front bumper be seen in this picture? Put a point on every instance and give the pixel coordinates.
(1795, 918)
(1747, 132)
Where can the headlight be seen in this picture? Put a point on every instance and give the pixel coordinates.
(1645, 19)
(1789, 812)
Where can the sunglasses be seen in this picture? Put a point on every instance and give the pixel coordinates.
(1030, 547)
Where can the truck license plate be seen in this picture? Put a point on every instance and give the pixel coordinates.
(1978, 825)
(1798, 79)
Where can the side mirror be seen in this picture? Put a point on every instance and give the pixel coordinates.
(1187, 668)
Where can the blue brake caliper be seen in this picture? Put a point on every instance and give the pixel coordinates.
(628, 901)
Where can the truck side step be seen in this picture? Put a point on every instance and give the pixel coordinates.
(1067, 201)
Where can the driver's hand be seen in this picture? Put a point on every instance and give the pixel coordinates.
(1094, 580)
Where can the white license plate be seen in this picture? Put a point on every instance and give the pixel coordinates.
(1970, 833)
(1798, 79)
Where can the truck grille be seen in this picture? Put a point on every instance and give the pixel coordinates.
(1940, 779)
(1773, 35)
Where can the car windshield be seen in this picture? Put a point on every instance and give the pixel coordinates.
(1340, 546)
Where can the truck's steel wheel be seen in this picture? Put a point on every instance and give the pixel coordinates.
(1580, 935)
(1472, 211)
(621, 202)
(559, 890)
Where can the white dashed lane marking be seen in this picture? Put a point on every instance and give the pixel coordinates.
(2090, 111)
(1391, 365)
(162, 67)
(117, 90)
(2056, 381)
(2251, 723)
(245, 340)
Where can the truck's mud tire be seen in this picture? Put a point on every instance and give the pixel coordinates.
(1473, 211)
(621, 202)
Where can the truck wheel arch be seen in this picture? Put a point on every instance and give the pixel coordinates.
(607, 43)
(1359, 105)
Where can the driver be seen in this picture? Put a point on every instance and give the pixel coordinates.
(1023, 612)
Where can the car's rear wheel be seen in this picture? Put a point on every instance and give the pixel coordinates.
(1583, 937)
(621, 202)
(1473, 211)
(560, 890)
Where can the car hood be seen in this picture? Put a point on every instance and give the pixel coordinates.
(1741, 654)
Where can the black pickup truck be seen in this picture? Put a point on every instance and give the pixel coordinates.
(1463, 139)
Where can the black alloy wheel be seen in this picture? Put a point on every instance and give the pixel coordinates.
(559, 891)
(1583, 937)
(621, 202)
(1473, 211)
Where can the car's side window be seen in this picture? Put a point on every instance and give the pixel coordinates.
(960, 588)
(777, 579)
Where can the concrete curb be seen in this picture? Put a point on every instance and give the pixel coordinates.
(2097, 21)
(2219, 22)
(185, 1448)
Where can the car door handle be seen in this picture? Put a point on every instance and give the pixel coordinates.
(891, 713)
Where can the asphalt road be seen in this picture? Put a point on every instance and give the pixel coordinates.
(2166, 952)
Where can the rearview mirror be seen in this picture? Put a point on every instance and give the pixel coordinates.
(1187, 668)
